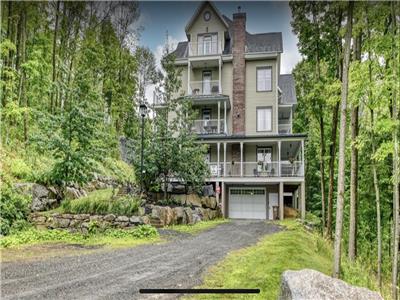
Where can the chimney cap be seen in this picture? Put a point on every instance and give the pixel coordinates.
(239, 8)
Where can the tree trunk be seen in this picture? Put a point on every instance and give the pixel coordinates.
(396, 167)
(54, 57)
(332, 147)
(342, 145)
(322, 170)
(354, 166)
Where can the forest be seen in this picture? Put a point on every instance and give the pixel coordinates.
(73, 76)
(348, 93)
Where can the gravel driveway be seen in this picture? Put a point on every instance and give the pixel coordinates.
(119, 274)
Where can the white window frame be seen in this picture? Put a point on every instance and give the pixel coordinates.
(266, 88)
(265, 128)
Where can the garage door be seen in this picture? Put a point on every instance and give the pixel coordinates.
(247, 203)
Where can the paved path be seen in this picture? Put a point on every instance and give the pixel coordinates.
(119, 274)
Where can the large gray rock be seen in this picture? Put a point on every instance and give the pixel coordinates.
(309, 284)
(42, 197)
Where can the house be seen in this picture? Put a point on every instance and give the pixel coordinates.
(245, 109)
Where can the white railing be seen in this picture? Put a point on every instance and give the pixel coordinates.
(258, 169)
(284, 128)
(292, 169)
(204, 88)
(208, 126)
(204, 48)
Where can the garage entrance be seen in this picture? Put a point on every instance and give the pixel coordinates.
(247, 203)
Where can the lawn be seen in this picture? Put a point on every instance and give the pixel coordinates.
(262, 265)
(198, 227)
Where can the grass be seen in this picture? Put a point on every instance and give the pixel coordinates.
(101, 202)
(198, 227)
(262, 265)
(110, 237)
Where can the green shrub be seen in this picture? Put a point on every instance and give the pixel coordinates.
(14, 208)
(116, 169)
(145, 231)
(169, 202)
(20, 169)
(102, 202)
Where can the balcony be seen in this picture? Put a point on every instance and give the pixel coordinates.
(284, 128)
(204, 88)
(204, 48)
(209, 126)
(257, 169)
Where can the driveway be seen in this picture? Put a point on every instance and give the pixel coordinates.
(119, 274)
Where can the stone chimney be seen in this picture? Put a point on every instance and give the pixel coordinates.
(239, 73)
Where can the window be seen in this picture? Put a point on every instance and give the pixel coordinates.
(264, 119)
(264, 79)
(264, 154)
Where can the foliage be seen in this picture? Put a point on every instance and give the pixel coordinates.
(110, 236)
(262, 265)
(14, 208)
(170, 149)
(199, 226)
(101, 202)
(116, 169)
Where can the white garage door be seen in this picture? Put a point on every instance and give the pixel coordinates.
(247, 203)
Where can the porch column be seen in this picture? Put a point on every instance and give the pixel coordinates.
(279, 158)
(303, 200)
(302, 157)
(223, 199)
(281, 208)
(219, 117)
(224, 159)
(189, 71)
(217, 194)
(220, 75)
(218, 161)
(241, 159)
(225, 127)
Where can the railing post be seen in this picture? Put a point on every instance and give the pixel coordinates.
(225, 126)
(224, 159)
(241, 159)
(219, 117)
(218, 159)
(279, 159)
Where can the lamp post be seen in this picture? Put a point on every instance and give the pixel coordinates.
(142, 112)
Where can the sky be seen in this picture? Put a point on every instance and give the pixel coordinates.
(158, 17)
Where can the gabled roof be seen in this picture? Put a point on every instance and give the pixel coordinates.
(198, 11)
(287, 85)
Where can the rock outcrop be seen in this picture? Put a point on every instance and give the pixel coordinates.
(309, 284)
(43, 198)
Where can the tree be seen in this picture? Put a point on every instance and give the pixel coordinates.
(342, 145)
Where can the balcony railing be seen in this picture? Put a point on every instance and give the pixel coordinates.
(208, 126)
(204, 48)
(204, 88)
(258, 169)
(284, 128)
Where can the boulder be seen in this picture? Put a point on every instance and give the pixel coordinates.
(122, 219)
(145, 219)
(196, 218)
(82, 217)
(164, 214)
(189, 215)
(74, 193)
(42, 197)
(109, 217)
(60, 223)
(209, 202)
(310, 284)
(39, 191)
(180, 216)
(24, 188)
(135, 220)
(193, 199)
(96, 218)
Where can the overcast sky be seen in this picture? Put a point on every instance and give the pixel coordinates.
(158, 17)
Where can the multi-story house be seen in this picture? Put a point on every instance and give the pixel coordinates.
(245, 109)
